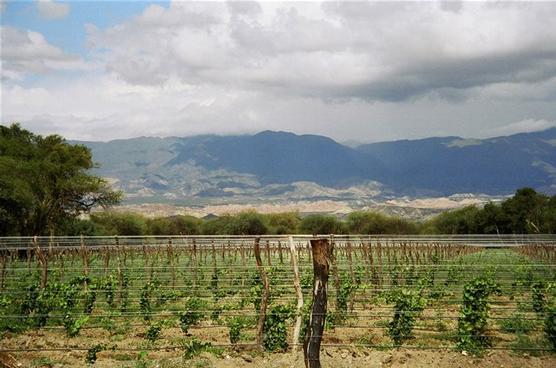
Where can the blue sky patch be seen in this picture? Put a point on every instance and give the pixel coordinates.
(68, 33)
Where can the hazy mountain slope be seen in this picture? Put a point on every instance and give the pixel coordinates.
(280, 157)
(451, 165)
(280, 165)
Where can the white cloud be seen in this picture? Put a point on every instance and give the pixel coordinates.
(523, 126)
(370, 51)
(50, 9)
(350, 70)
(28, 52)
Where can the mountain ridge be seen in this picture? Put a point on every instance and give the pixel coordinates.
(273, 165)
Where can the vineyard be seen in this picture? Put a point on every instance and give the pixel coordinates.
(129, 301)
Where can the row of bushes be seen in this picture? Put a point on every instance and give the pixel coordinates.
(244, 223)
(526, 212)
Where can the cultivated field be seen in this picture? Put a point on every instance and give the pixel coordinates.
(200, 301)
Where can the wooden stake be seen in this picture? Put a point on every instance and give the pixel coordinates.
(299, 294)
(264, 297)
(321, 251)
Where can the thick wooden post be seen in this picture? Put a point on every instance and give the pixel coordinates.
(265, 294)
(322, 252)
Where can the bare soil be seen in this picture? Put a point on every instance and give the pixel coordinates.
(330, 358)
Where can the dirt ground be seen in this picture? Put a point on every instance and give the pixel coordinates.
(330, 358)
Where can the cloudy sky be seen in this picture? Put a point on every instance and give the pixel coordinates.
(363, 71)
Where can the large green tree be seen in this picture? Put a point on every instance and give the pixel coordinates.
(45, 182)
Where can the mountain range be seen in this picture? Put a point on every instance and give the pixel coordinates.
(271, 166)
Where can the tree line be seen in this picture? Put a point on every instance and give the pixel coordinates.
(527, 212)
(46, 188)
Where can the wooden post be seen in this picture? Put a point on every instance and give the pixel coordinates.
(322, 252)
(43, 261)
(106, 252)
(299, 294)
(85, 257)
(172, 262)
(335, 271)
(366, 260)
(3, 260)
(194, 263)
(268, 256)
(265, 295)
(350, 261)
(119, 268)
(243, 264)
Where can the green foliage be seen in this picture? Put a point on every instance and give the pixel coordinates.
(243, 223)
(45, 183)
(550, 326)
(108, 285)
(91, 356)
(37, 303)
(527, 212)
(235, 325)
(73, 326)
(538, 295)
(256, 290)
(174, 225)
(275, 328)
(145, 301)
(153, 332)
(194, 347)
(283, 223)
(120, 223)
(473, 318)
(407, 305)
(193, 313)
(340, 314)
(460, 221)
(142, 360)
(321, 224)
(124, 291)
(89, 299)
(366, 222)
(247, 223)
(517, 323)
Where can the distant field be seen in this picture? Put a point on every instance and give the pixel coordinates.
(134, 302)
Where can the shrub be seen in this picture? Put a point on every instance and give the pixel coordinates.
(153, 332)
(550, 326)
(321, 224)
(91, 356)
(235, 325)
(516, 324)
(473, 318)
(538, 294)
(192, 314)
(275, 329)
(116, 223)
(407, 304)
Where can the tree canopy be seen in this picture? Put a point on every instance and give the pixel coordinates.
(527, 212)
(45, 183)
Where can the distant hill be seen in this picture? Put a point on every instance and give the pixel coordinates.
(281, 165)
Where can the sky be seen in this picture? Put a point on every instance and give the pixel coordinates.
(353, 71)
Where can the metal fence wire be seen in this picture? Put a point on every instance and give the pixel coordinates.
(141, 293)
